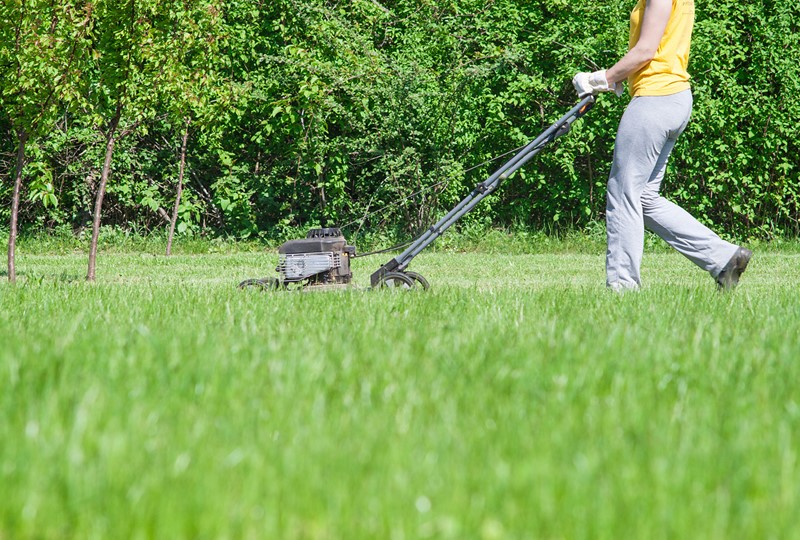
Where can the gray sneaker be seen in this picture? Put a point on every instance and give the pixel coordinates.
(729, 277)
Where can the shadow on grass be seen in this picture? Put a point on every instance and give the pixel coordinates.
(39, 279)
(63, 277)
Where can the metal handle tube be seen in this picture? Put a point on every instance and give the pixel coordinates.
(463, 208)
(490, 184)
(505, 170)
(487, 186)
(576, 112)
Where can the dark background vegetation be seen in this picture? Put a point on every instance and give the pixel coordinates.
(315, 112)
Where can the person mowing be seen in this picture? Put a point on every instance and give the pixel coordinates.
(656, 69)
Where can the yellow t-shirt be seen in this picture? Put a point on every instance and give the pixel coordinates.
(666, 74)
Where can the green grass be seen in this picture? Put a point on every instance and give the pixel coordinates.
(515, 399)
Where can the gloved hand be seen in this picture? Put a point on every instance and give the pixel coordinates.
(586, 83)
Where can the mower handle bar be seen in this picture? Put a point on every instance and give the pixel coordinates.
(557, 129)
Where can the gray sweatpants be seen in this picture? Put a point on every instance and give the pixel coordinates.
(646, 136)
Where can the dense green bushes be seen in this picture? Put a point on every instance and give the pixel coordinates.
(319, 112)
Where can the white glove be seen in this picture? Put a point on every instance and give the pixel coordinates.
(586, 83)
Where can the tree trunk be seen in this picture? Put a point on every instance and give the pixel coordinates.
(101, 191)
(179, 189)
(22, 137)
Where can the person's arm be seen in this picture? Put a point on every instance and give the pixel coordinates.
(654, 23)
(655, 19)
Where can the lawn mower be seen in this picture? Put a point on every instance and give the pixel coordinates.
(322, 258)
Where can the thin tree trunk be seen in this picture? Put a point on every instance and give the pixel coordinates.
(22, 137)
(101, 191)
(179, 189)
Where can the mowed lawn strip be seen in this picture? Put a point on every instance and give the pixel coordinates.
(515, 399)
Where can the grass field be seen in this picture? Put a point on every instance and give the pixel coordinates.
(515, 399)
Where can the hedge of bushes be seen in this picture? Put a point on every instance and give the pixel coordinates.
(333, 110)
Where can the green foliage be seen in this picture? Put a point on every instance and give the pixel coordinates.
(40, 42)
(742, 168)
(307, 112)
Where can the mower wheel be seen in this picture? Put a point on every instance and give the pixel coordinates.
(266, 284)
(396, 280)
(419, 279)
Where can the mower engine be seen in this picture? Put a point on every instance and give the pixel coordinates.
(322, 258)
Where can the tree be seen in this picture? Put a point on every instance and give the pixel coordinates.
(193, 89)
(179, 188)
(39, 45)
(143, 51)
(122, 70)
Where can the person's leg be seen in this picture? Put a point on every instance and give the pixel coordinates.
(642, 135)
(672, 223)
